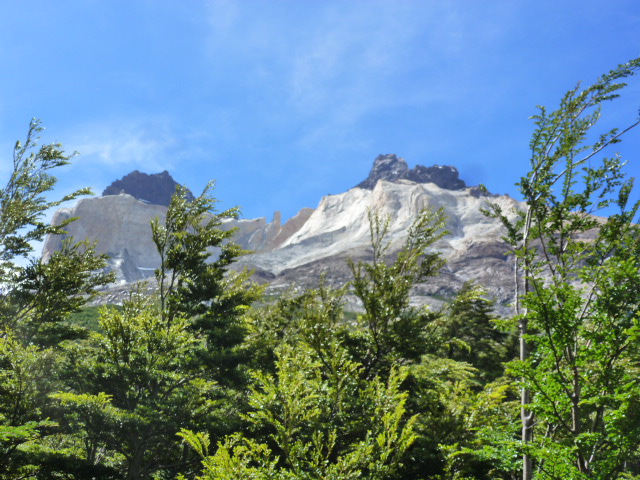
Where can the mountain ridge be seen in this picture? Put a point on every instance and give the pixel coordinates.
(320, 240)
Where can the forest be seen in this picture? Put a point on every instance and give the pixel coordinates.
(210, 379)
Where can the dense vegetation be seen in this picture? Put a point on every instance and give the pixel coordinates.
(204, 380)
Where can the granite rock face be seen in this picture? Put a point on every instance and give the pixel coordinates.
(392, 168)
(121, 227)
(321, 240)
(444, 176)
(338, 229)
(156, 188)
(385, 167)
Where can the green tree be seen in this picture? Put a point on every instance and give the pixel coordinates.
(313, 317)
(24, 383)
(23, 204)
(577, 294)
(35, 302)
(323, 420)
(389, 332)
(390, 329)
(479, 401)
(49, 292)
(472, 335)
(167, 362)
(129, 394)
(195, 281)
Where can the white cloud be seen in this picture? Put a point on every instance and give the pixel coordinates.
(354, 59)
(147, 145)
(330, 67)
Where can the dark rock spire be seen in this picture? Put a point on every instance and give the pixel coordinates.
(392, 168)
(154, 188)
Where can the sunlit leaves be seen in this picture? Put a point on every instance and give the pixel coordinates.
(577, 285)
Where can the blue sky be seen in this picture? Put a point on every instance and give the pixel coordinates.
(282, 102)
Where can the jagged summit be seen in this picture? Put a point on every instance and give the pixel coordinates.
(156, 188)
(315, 241)
(392, 168)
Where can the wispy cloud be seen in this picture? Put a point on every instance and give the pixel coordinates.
(327, 67)
(143, 144)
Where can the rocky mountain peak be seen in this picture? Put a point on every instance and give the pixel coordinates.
(315, 241)
(392, 168)
(156, 188)
(387, 167)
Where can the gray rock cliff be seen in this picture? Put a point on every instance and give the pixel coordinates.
(338, 230)
(320, 240)
(121, 227)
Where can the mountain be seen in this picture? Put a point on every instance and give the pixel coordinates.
(320, 240)
(393, 169)
(156, 188)
(338, 229)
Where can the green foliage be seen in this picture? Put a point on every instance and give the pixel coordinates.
(22, 201)
(135, 389)
(471, 335)
(391, 331)
(390, 328)
(577, 299)
(315, 317)
(159, 364)
(237, 458)
(200, 288)
(322, 424)
(188, 279)
(314, 326)
(87, 317)
(39, 296)
(35, 302)
(485, 449)
(50, 292)
(24, 382)
(328, 400)
(437, 388)
(197, 284)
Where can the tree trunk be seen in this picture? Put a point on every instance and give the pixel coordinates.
(525, 414)
(134, 470)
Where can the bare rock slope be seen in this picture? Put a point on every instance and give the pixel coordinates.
(338, 230)
(320, 240)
